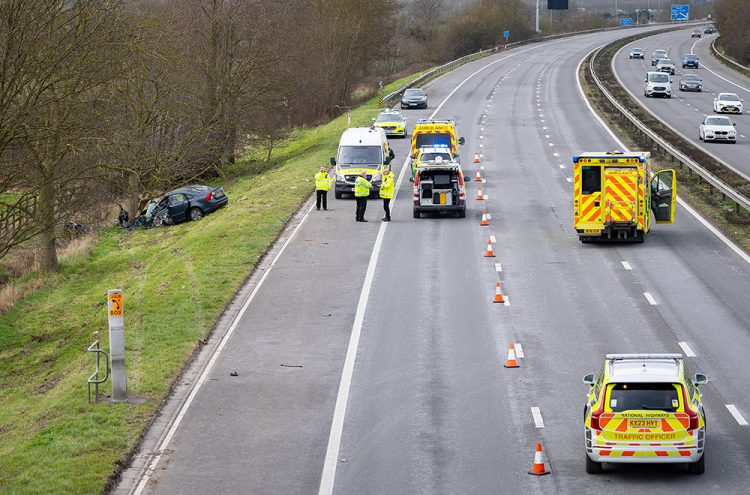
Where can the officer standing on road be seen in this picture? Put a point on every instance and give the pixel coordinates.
(361, 191)
(387, 188)
(322, 184)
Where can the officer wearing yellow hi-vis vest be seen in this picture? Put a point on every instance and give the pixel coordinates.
(361, 191)
(387, 188)
(322, 184)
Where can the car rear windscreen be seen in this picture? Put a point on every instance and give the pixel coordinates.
(644, 396)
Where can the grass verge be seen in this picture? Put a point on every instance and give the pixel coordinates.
(716, 209)
(176, 283)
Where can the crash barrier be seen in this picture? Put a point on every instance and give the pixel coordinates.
(716, 52)
(437, 71)
(94, 379)
(664, 146)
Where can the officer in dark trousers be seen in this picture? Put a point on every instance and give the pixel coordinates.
(322, 185)
(361, 192)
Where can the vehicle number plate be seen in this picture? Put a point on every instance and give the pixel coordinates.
(644, 423)
(592, 231)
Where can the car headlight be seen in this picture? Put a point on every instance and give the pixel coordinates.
(340, 177)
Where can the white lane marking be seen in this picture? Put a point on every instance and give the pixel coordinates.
(484, 181)
(492, 239)
(328, 476)
(486, 196)
(731, 245)
(481, 137)
(649, 298)
(481, 145)
(507, 300)
(212, 361)
(568, 179)
(489, 216)
(481, 156)
(686, 349)
(736, 414)
(498, 267)
(537, 414)
(717, 75)
(555, 154)
(546, 135)
(562, 166)
(519, 350)
(551, 144)
(544, 128)
(626, 265)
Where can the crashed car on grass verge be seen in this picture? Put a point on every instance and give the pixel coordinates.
(186, 203)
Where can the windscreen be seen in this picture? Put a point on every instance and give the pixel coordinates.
(430, 157)
(361, 156)
(644, 396)
(718, 121)
(658, 78)
(428, 140)
(413, 92)
(730, 98)
(389, 117)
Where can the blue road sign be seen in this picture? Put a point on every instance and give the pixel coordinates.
(680, 12)
(506, 35)
(626, 21)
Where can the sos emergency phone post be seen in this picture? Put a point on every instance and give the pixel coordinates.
(117, 345)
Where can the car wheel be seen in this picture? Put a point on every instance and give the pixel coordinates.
(698, 467)
(338, 195)
(462, 214)
(417, 214)
(593, 467)
(195, 214)
(157, 221)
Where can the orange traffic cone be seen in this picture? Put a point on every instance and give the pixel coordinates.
(484, 218)
(478, 178)
(499, 295)
(511, 361)
(480, 197)
(538, 469)
(489, 253)
(476, 158)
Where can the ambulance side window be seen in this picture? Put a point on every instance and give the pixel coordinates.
(591, 180)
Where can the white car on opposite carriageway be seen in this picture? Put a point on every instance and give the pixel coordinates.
(728, 103)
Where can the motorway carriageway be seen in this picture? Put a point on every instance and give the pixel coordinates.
(687, 109)
(403, 312)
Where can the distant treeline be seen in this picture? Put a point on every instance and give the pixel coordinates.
(732, 21)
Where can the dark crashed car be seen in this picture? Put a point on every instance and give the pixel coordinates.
(189, 203)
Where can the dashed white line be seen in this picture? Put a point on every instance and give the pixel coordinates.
(626, 265)
(568, 179)
(519, 350)
(492, 239)
(686, 349)
(562, 166)
(486, 196)
(649, 298)
(555, 154)
(736, 414)
(551, 144)
(537, 414)
(498, 267)
(489, 216)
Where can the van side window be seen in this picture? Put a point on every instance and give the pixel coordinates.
(591, 180)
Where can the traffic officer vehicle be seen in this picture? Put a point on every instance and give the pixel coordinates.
(430, 154)
(392, 122)
(644, 408)
(728, 103)
(614, 194)
(361, 148)
(439, 187)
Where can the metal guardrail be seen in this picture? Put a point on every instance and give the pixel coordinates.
(725, 58)
(94, 378)
(739, 199)
(497, 49)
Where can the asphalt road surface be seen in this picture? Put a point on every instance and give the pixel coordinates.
(430, 408)
(686, 110)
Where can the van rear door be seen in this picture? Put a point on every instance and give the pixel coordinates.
(620, 194)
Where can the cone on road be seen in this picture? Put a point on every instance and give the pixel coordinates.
(484, 218)
(476, 158)
(499, 294)
(490, 253)
(480, 197)
(478, 177)
(538, 469)
(511, 361)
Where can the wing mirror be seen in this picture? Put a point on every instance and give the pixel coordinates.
(589, 379)
(461, 141)
(333, 162)
(700, 379)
